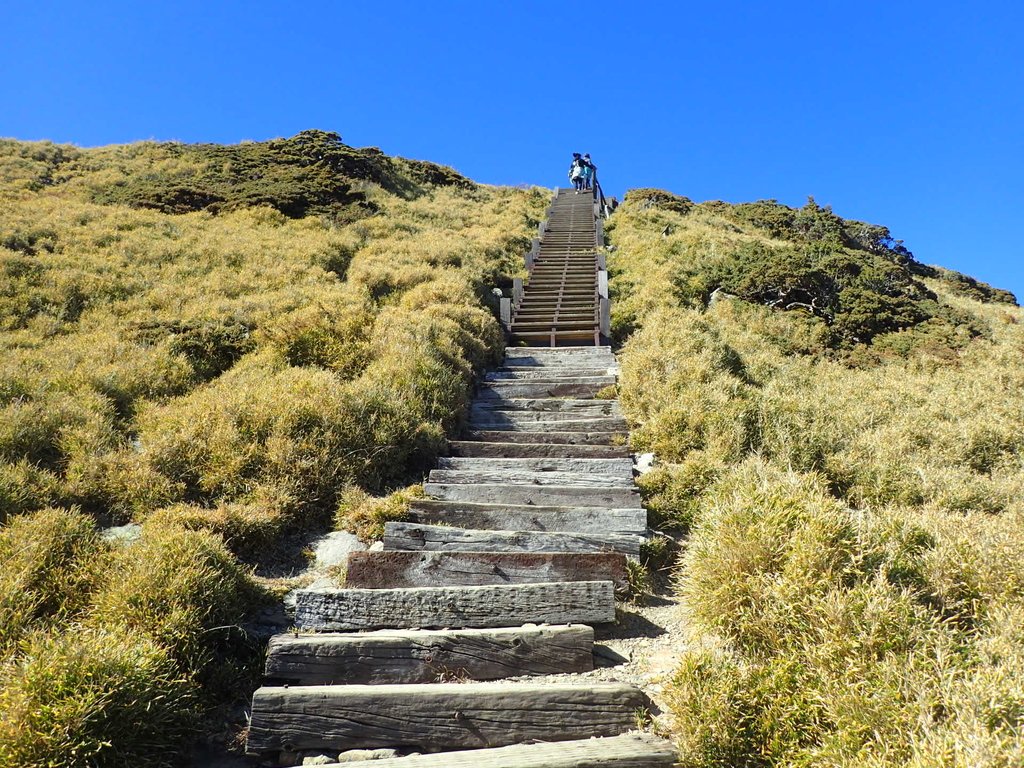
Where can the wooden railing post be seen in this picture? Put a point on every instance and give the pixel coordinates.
(602, 284)
(606, 316)
(517, 291)
(505, 305)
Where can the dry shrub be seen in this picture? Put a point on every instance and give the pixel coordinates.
(365, 515)
(97, 697)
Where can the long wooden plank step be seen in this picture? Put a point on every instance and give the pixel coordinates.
(600, 422)
(417, 537)
(631, 750)
(499, 605)
(532, 388)
(533, 479)
(437, 717)
(554, 373)
(564, 438)
(390, 656)
(526, 517)
(541, 495)
(612, 467)
(559, 336)
(578, 408)
(409, 568)
(545, 404)
(475, 449)
(572, 352)
(606, 424)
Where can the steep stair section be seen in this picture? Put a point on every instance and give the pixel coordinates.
(502, 572)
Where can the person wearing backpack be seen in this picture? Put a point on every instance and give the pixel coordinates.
(590, 173)
(576, 172)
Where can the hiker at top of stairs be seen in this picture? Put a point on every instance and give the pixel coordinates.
(589, 172)
(576, 171)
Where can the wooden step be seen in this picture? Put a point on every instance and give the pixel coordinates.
(613, 467)
(418, 537)
(527, 517)
(512, 477)
(541, 388)
(597, 409)
(400, 569)
(597, 375)
(343, 610)
(567, 438)
(569, 405)
(437, 717)
(543, 496)
(631, 750)
(510, 424)
(390, 656)
(471, 449)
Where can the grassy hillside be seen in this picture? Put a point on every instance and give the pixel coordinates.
(841, 432)
(226, 345)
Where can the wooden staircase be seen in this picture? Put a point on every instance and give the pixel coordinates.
(502, 572)
(564, 301)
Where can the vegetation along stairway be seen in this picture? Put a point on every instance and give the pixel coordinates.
(503, 572)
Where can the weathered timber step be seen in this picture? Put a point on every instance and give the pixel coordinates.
(527, 517)
(495, 424)
(554, 336)
(342, 610)
(540, 354)
(597, 410)
(616, 467)
(512, 477)
(596, 421)
(565, 438)
(548, 373)
(527, 388)
(437, 717)
(542, 404)
(399, 569)
(469, 448)
(445, 538)
(541, 495)
(631, 750)
(391, 656)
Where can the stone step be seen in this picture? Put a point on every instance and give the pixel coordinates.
(612, 467)
(470, 448)
(543, 496)
(631, 750)
(437, 717)
(564, 438)
(418, 537)
(389, 656)
(400, 569)
(528, 517)
(512, 477)
(343, 610)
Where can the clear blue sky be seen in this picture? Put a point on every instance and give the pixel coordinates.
(908, 114)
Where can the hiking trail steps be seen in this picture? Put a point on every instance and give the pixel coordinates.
(503, 571)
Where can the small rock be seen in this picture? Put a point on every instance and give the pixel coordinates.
(122, 534)
(377, 546)
(334, 548)
(359, 755)
(643, 463)
(319, 760)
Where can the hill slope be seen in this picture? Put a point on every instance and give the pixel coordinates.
(222, 344)
(842, 431)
